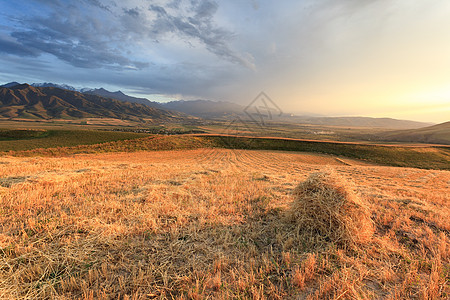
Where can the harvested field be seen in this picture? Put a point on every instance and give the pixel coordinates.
(213, 223)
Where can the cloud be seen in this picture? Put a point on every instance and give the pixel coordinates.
(95, 34)
(97, 3)
(133, 12)
(81, 55)
(197, 23)
(10, 45)
(75, 35)
(206, 9)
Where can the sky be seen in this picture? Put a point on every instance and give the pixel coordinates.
(378, 58)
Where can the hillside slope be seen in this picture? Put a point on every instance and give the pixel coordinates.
(228, 110)
(205, 108)
(123, 97)
(362, 122)
(25, 101)
(437, 134)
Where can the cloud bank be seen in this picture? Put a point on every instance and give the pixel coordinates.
(94, 34)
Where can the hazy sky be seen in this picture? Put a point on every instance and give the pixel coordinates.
(330, 57)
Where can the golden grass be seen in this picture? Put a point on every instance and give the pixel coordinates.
(212, 223)
(326, 207)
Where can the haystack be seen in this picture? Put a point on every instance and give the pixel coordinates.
(327, 208)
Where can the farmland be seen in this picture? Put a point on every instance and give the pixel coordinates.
(25, 139)
(70, 142)
(213, 223)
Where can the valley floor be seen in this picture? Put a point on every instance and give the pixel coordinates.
(211, 223)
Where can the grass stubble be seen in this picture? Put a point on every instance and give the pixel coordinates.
(221, 224)
(59, 143)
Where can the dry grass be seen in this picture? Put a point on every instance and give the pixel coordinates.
(327, 207)
(212, 223)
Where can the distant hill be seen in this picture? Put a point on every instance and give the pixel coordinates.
(25, 101)
(212, 109)
(10, 84)
(121, 96)
(360, 122)
(437, 134)
(205, 108)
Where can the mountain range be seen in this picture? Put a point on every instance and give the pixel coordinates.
(50, 100)
(206, 108)
(122, 97)
(26, 101)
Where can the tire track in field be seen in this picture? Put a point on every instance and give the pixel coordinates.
(244, 160)
(219, 159)
(259, 161)
(212, 158)
(277, 161)
(244, 163)
(280, 162)
(256, 161)
(264, 161)
(205, 156)
(234, 161)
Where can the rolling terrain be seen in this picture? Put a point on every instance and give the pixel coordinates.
(437, 134)
(206, 108)
(81, 104)
(122, 97)
(70, 142)
(228, 110)
(215, 223)
(22, 140)
(25, 101)
(361, 122)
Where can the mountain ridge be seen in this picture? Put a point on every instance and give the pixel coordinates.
(119, 95)
(26, 101)
(223, 110)
(205, 108)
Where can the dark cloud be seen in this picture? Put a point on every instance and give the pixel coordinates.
(159, 10)
(94, 33)
(74, 36)
(206, 9)
(97, 3)
(8, 45)
(133, 12)
(197, 24)
(77, 54)
(174, 4)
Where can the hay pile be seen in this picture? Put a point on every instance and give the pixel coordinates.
(326, 208)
